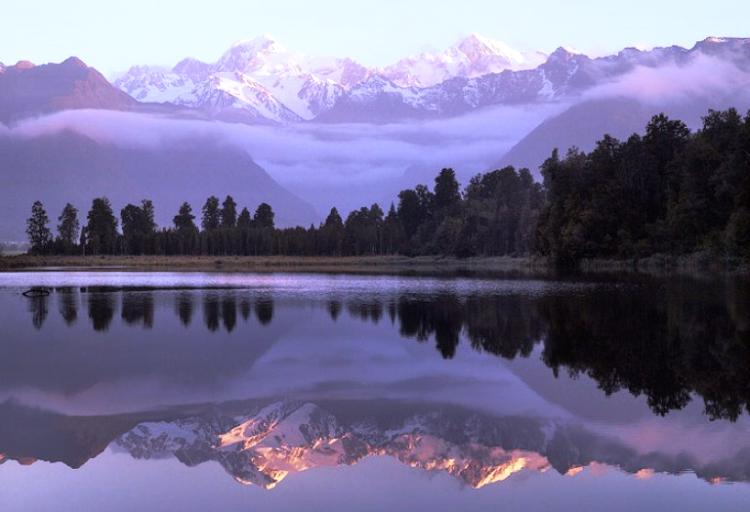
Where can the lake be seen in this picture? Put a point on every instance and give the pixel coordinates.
(129, 391)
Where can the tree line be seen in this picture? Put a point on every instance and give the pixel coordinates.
(491, 217)
(669, 191)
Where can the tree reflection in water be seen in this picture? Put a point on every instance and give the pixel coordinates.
(101, 307)
(67, 304)
(39, 308)
(138, 308)
(229, 311)
(264, 310)
(184, 307)
(665, 340)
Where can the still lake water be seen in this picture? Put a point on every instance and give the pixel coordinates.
(233, 392)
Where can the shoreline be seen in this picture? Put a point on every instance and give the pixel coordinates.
(294, 264)
(657, 265)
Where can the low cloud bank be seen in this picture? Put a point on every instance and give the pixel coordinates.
(703, 77)
(346, 165)
(320, 152)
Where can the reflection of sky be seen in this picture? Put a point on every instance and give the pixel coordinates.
(302, 353)
(370, 360)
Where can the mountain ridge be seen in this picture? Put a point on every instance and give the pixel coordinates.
(27, 90)
(272, 83)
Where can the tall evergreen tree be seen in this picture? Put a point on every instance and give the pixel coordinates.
(101, 229)
(149, 216)
(332, 234)
(186, 230)
(37, 230)
(229, 213)
(409, 211)
(184, 221)
(393, 234)
(264, 216)
(68, 227)
(211, 214)
(138, 227)
(447, 194)
(334, 219)
(245, 220)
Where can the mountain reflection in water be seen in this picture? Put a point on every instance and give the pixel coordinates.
(262, 444)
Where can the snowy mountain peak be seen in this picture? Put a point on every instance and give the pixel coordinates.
(475, 47)
(471, 57)
(193, 69)
(715, 40)
(724, 45)
(564, 53)
(249, 56)
(264, 43)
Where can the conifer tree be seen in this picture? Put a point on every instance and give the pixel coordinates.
(211, 218)
(68, 226)
(37, 230)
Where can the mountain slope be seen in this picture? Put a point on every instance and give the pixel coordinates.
(585, 123)
(580, 126)
(81, 169)
(27, 90)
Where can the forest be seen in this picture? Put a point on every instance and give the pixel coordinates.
(669, 191)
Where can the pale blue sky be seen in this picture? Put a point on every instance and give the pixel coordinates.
(113, 35)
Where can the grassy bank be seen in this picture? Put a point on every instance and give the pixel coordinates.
(694, 264)
(364, 265)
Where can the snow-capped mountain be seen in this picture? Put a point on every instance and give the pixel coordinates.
(381, 100)
(472, 57)
(565, 75)
(259, 78)
(264, 81)
(267, 81)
